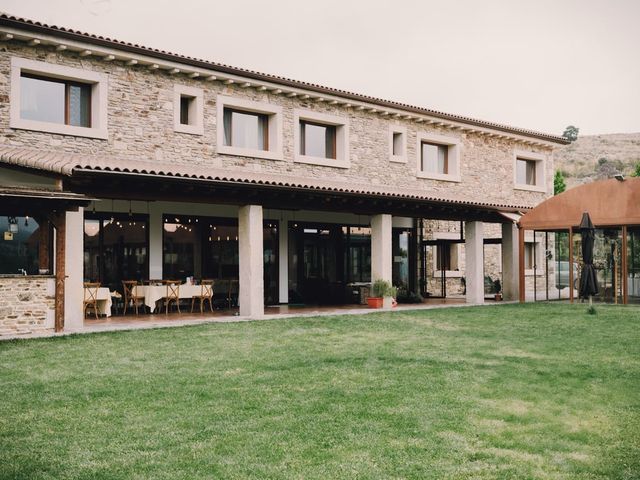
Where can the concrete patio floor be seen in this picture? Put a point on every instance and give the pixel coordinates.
(276, 312)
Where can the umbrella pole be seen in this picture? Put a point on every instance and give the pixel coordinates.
(590, 301)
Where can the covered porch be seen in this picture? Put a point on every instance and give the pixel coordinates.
(268, 243)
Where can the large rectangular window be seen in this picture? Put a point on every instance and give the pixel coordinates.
(317, 140)
(55, 101)
(525, 171)
(434, 158)
(246, 129)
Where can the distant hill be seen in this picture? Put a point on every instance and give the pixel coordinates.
(592, 157)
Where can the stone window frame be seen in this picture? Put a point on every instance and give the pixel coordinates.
(454, 145)
(541, 170)
(99, 91)
(538, 255)
(397, 129)
(448, 236)
(196, 110)
(274, 113)
(342, 159)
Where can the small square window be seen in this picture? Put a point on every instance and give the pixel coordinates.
(397, 144)
(434, 158)
(187, 104)
(187, 110)
(529, 255)
(321, 139)
(447, 257)
(526, 171)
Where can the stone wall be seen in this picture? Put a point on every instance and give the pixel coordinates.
(26, 304)
(141, 126)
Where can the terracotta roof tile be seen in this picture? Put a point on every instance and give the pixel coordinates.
(22, 23)
(69, 163)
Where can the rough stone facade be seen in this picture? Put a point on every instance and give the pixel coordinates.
(26, 304)
(141, 126)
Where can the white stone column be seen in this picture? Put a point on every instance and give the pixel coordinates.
(155, 241)
(381, 258)
(74, 270)
(510, 279)
(474, 261)
(251, 250)
(283, 261)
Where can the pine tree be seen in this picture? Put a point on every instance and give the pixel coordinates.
(559, 185)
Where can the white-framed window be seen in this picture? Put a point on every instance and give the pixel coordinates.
(533, 256)
(446, 255)
(529, 171)
(438, 157)
(188, 110)
(397, 144)
(321, 139)
(248, 128)
(53, 98)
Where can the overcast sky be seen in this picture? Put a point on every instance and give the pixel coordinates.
(538, 64)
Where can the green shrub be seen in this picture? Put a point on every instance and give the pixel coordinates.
(382, 288)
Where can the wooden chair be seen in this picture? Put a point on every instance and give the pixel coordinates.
(173, 294)
(90, 298)
(206, 294)
(230, 298)
(131, 296)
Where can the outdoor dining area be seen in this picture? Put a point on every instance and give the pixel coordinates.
(160, 297)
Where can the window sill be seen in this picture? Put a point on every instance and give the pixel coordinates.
(189, 129)
(324, 162)
(248, 152)
(398, 158)
(58, 128)
(446, 177)
(529, 188)
(448, 273)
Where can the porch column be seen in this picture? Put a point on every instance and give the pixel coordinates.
(381, 259)
(283, 261)
(74, 269)
(474, 261)
(155, 242)
(510, 263)
(251, 250)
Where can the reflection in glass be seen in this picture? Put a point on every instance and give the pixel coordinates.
(525, 172)
(55, 101)
(115, 249)
(317, 140)
(435, 158)
(245, 129)
(79, 105)
(19, 251)
(41, 100)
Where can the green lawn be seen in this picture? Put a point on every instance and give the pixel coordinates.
(536, 391)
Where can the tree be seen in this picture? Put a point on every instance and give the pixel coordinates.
(636, 170)
(559, 185)
(571, 133)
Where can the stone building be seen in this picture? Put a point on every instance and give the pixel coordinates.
(130, 163)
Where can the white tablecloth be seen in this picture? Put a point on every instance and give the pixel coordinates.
(154, 293)
(104, 300)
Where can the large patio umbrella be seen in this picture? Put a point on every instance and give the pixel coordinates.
(588, 281)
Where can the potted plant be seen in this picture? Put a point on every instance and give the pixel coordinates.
(382, 294)
(497, 287)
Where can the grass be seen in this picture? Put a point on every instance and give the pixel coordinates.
(501, 392)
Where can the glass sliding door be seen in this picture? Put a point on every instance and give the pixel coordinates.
(116, 248)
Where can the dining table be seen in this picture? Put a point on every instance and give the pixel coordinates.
(154, 293)
(103, 298)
